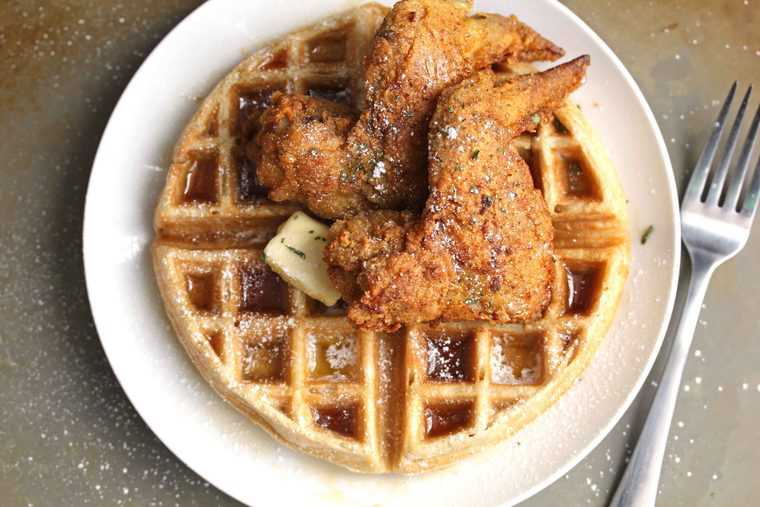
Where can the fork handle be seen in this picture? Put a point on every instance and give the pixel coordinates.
(639, 485)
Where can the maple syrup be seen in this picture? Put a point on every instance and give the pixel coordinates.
(265, 360)
(450, 357)
(262, 291)
(248, 187)
(201, 290)
(341, 420)
(200, 179)
(250, 104)
(445, 418)
(582, 286)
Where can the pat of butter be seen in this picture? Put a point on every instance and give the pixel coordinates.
(295, 254)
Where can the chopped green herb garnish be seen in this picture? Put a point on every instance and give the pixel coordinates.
(320, 238)
(451, 109)
(311, 231)
(536, 119)
(648, 232)
(296, 251)
(475, 154)
(263, 256)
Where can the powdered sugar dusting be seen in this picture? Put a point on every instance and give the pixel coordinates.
(331, 358)
(502, 372)
(341, 355)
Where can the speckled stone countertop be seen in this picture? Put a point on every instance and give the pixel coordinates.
(68, 435)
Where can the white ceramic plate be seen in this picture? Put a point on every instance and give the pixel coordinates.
(220, 444)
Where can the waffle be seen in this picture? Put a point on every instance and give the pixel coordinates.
(408, 402)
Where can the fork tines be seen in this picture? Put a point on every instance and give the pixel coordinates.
(722, 191)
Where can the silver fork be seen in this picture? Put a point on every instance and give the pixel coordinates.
(715, 227)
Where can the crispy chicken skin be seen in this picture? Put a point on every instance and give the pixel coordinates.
(482, 248)
(423, 47)
(367, 236)
(304, 142)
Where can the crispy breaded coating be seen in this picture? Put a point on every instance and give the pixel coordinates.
(354, 242)
(317, 144)
(423, 47)
(482, 248)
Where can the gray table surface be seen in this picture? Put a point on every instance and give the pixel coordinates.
(68, 435)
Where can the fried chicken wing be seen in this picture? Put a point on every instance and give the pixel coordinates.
(482, 248)
(423, 47)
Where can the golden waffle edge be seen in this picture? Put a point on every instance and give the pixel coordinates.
(414, 401)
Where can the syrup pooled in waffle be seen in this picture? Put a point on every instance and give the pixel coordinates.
(413, 401)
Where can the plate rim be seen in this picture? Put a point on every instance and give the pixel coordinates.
(676, 259)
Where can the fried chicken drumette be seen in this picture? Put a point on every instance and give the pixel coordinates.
(316, 153)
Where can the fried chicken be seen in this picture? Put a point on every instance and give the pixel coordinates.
(302, 140)
(369, 235)
(482, 248)
(304, 154)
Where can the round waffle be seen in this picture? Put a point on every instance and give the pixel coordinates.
(412, 401)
